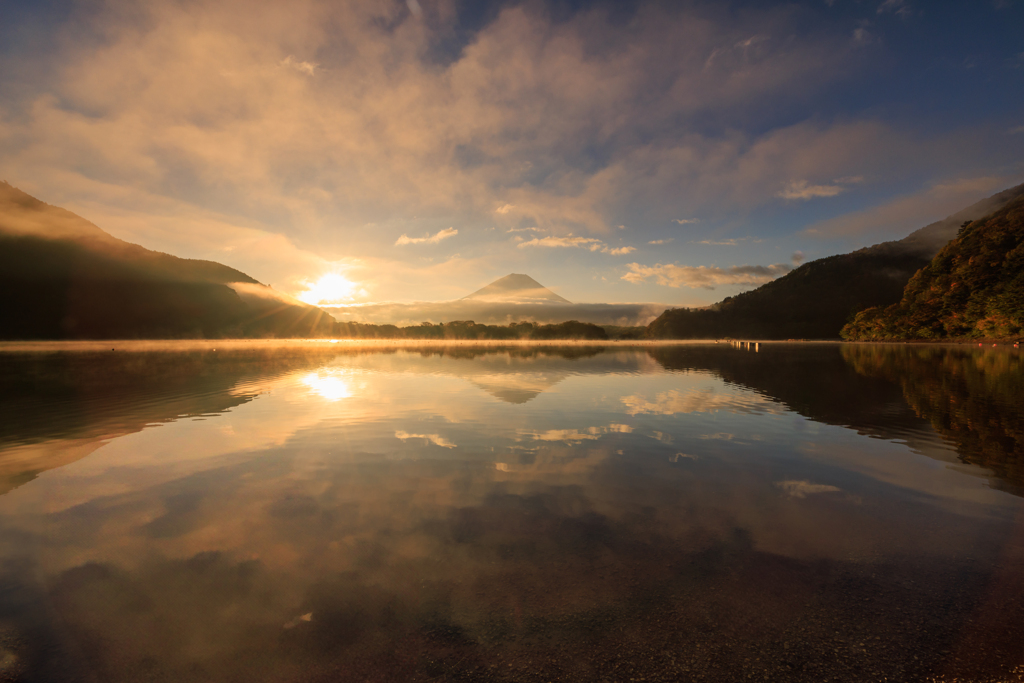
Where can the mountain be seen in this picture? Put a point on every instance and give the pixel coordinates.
(513, 298)
(516, 288)
(815, 300)
(930, 239)
(65, 278)
(973, 288)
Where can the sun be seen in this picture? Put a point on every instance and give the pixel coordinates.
(331, 288)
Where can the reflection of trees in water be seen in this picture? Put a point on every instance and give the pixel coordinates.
(60, 407)
(890, 392)
(67, 403)
(810, 379)
(970, 396)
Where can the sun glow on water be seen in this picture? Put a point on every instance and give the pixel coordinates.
(328, 387)
(331, 288)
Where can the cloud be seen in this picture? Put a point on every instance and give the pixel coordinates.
(589, 243)
(328, 124)
(430, 239)
(1016, 130)
(435, 439)
(667, 240)
(801, 189)
(731, 242)
(898, 7)
(305, 67)
(802, 489)
(705, 277)
(902, 215)
(752, 40)
(557, 242)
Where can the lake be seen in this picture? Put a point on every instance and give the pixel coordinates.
(342, 512)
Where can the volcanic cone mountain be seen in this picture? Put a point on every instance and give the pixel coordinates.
(516, 288)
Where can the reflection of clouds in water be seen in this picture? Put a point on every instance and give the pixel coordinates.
(435, 439)
(700, 401)
(802, 489)
(335, 541)
(556, 461)
(567, 435)
(329, 386)
(661, 436)
(576, 436)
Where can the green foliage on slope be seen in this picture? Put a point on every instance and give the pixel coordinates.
(973, 288)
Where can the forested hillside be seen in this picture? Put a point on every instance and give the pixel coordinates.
(812, 302)
(817, 299)
(65, 278)
(973, 288)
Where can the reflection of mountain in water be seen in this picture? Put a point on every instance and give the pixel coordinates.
(514, 374)
(812, 380)
(898, 393)
(59, 407)
(969, 395)
(520, 387)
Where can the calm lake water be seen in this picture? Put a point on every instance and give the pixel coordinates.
(323, 512)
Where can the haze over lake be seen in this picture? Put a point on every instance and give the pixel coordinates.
(272, 512)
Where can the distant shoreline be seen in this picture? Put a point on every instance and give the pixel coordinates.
(229, 344)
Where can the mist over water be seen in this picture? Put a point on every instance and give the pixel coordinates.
(306, 512)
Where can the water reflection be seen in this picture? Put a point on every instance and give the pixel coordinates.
(328, 385)
(672, 513)
(970, 396)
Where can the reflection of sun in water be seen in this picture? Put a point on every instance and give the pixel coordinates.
(330, 288)
(330, 387)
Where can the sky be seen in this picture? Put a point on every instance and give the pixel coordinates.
(416, 150)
